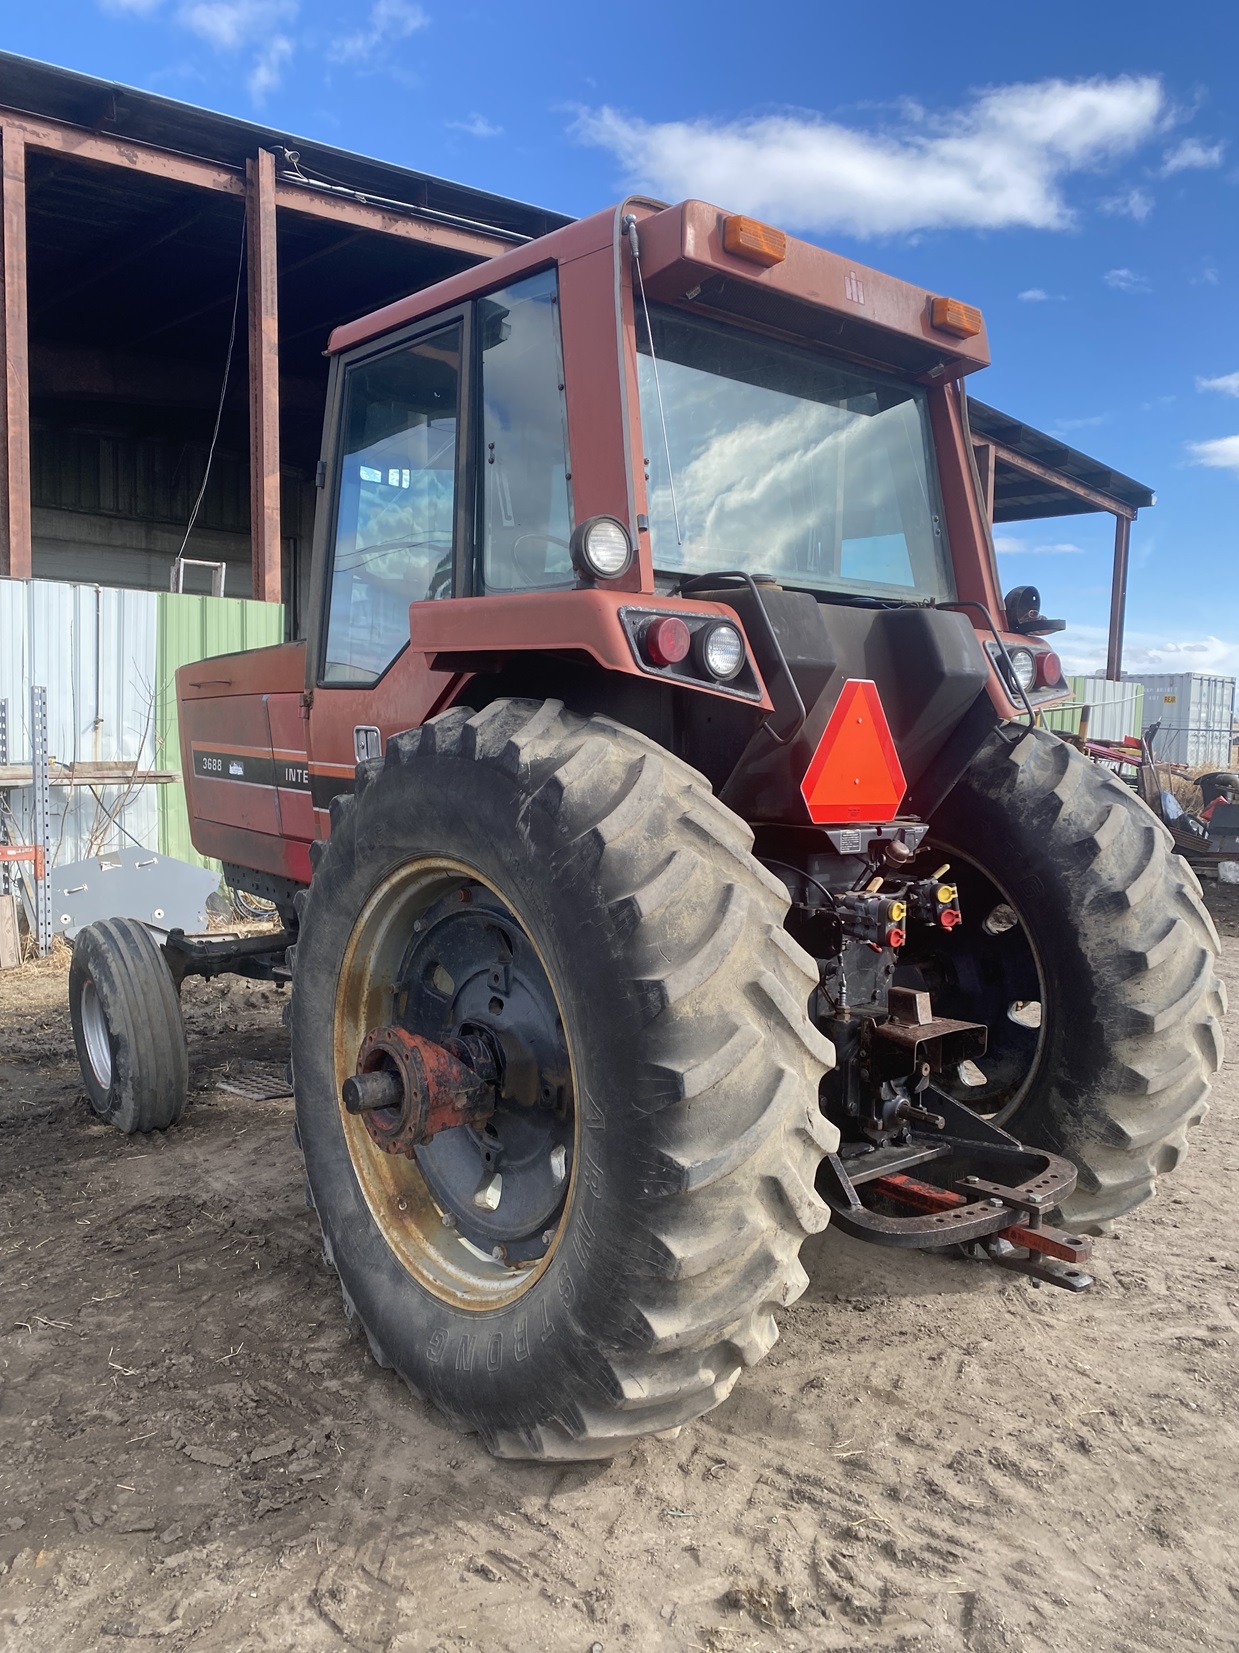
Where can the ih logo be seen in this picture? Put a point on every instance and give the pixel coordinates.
(855, 774)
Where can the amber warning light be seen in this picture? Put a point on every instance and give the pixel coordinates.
(855, 774)
(759, 243)
(962, 321)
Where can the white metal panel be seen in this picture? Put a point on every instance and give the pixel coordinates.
(93, 649)
(1196, 710)
(13, 678)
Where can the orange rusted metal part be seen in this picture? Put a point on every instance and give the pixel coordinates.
(24, 852)
(911, 1191)
(264, 366)
(925, 1196)
(438, 1090)
(15, 519)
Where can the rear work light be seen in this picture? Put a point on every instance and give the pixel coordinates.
(720, 649)
(949, 315)
(747, 238)
(1024, 665)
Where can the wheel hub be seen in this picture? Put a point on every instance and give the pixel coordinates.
(472, 975)
(408, 1088)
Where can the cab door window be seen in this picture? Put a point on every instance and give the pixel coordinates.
(526, 509)
(396, 501)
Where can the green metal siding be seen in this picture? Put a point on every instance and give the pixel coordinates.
(195, 628)
(1115, 709)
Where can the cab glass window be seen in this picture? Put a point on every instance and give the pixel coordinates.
(786, 463)
(396, 503)
(523, 466)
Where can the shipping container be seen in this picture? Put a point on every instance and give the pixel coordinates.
(1196, 712)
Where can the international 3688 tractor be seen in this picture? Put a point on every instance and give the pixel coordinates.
(667, 853)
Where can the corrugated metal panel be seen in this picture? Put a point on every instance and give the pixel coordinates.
(1196, 710)
(146, 478)
(1115, 709)
(195, 628)
(93, 649)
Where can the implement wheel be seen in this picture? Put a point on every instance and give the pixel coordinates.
(1088, 953)
(127, 1027)
(598, 1256)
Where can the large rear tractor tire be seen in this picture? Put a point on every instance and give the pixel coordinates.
(1088, 953)
(600, 1258)
(127, 1027)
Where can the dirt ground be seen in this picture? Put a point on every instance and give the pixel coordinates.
(195, 1455)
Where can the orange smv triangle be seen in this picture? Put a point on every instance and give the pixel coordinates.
(855, 774)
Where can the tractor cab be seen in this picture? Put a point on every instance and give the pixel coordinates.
(674, 444)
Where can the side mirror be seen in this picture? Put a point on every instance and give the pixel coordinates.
(1023, 605)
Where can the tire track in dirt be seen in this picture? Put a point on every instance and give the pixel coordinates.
(195, 1455)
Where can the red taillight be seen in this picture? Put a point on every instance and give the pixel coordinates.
(666, 641)
(1049, 669)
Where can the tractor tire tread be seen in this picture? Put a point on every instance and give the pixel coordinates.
(1152, 949)
(727, 1193)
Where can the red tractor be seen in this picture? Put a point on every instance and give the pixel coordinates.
(668, 855)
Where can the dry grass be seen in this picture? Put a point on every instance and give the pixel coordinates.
(55, 964)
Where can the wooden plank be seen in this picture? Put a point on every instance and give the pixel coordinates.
(10, 940)
(264, 357)
(368, 215)
(14, 340)
(88, 774)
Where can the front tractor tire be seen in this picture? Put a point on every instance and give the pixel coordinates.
(1088, 953)
(601, 1257)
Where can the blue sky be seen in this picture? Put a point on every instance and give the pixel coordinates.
(1073, 169)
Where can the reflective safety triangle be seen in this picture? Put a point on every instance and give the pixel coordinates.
(855, 774)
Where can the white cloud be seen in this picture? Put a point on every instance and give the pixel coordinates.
(1088, 423)
(1190, 154)
(1125, 281)
(997, 161)
(1221, 452)
(228, 24)
(389, 21)
(1227, 383)
(1082, 648)
(265, 76)
(1034, 295)
(477, 126)
(1007, 545)
(1131, 203)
